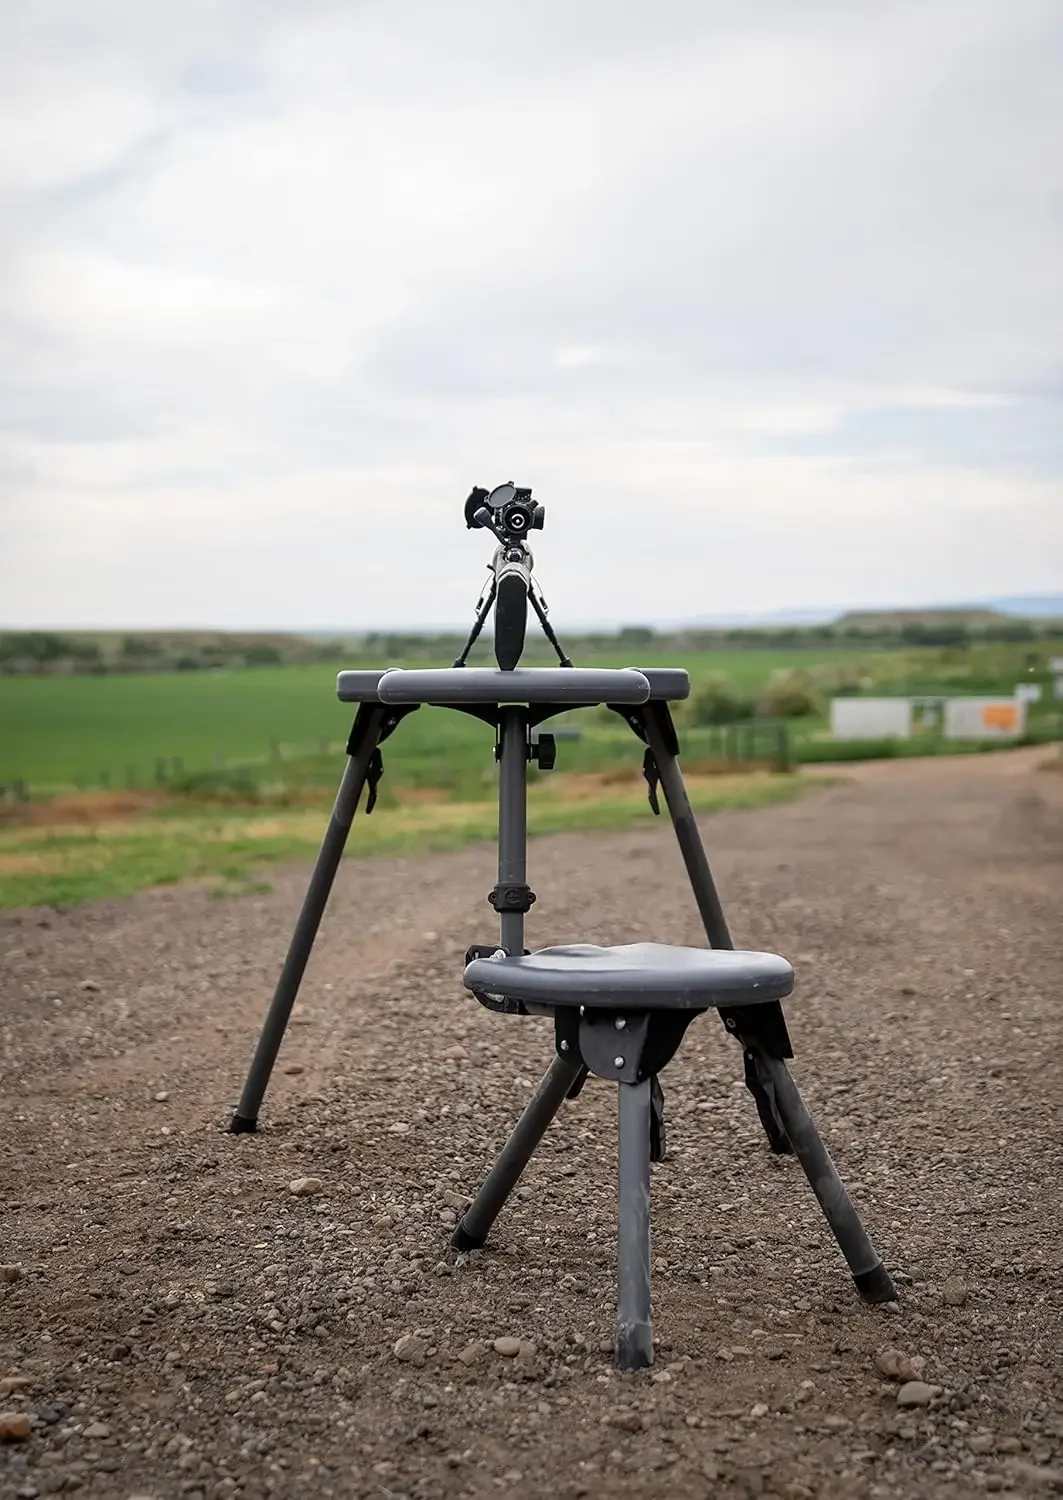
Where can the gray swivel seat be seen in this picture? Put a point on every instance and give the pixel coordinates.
(622, 1012)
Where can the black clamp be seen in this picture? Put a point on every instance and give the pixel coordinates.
(501, 1005)
(374, 772)
(653, 781)
(761, 1029)
(356, 739)
(510, 896)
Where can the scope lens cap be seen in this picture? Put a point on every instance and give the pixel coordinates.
(501, 495)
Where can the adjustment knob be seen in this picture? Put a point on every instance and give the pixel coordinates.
(545, 752)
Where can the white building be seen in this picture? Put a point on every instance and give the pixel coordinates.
(959, 718)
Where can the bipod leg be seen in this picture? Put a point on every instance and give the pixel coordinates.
(658, 730)
(557, 1085)
(365, 737)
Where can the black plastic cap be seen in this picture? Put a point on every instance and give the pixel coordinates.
(875, 1285)
(241, 1125)
(462, 1240)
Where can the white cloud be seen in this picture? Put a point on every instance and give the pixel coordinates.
(277, 286)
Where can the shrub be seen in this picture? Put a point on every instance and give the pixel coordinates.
(789, 695)
(715, 702)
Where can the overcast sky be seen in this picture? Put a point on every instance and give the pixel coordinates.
(764, 299)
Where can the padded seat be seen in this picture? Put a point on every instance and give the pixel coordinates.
(634, 976)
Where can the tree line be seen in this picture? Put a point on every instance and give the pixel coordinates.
(72, 652)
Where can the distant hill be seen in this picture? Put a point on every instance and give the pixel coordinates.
(1031, 606)
(983, 611)
(894, 619)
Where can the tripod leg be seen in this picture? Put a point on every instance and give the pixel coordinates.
(659, 732)
(634, 1328)
(364, 740)
(660, 736)
(515, 1155)
(870, 1275)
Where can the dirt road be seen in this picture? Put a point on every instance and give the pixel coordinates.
(185, 1325)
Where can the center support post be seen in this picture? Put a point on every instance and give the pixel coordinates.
(512, 828)
(563, 1076)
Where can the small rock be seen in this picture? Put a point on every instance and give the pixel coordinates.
(89, 986)
(11, 1383)
(294, 1069)
(473, 1353)
(118, 1352)
(455, 1053)
(382, 1221)
(161, 1097)
(459, 1202)
(411, 1349)
(96, 1430)
(306, 1187)
(758, 1411)
(1036, 1475)
(508, 1347)
(897, 1366)
(14, 1427)
(915, 1393)
(954, 1293)
(982, 1442)
(627, 1421)
(10, 1273)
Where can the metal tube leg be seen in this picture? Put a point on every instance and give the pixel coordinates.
(475, 1226)
(660, 737)
(687, 833)
(634, 1328)
(870, 1275)
(245, 1118)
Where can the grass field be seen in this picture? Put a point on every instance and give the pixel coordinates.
(260, 751)
(56, 731)
(107, 850)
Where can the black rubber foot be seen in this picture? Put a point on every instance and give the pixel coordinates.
(633, 1348)
(241, 1125)
(875, 1285)
(462, 1240)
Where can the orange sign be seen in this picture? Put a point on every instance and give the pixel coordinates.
(1000, 716)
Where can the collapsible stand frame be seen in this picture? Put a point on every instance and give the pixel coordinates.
(515, 702)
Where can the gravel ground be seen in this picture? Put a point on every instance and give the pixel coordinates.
(175, 1320)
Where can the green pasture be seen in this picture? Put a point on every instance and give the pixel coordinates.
(230, 848)
(59, 731)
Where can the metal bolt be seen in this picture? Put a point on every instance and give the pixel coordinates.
(618, 1062)
(500, 953)
(583, 1010)
(619, 1023)
(564, 1046)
